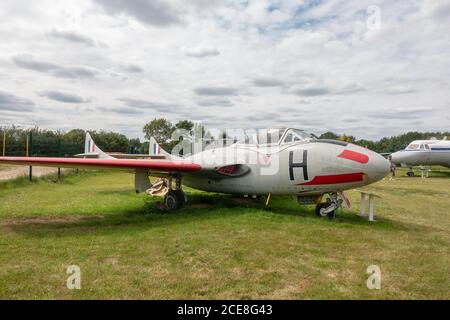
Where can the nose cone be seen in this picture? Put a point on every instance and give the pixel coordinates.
(396, 157)
(377, 168)
(373, 165)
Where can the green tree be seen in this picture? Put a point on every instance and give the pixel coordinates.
(329, 135)
(134, 145)
(111, 141)
(160, 129)
(347, 138)
(185, 124)
(75, 136)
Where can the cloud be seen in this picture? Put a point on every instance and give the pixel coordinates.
(351, 120)
(268, 82)
(262, 116)
(313, 91)
(73, 72)
(10, 102)
(149, 105)
(400, 89)
(73, 36)
(349, 89)
(27, 62)
(215, 91)
(400, 113)
(151, 12)
(215, 103)
(63, 97)
(200, 52)
(132, 68)
(121, 110)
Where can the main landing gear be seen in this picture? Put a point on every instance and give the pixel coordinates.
(172, 191)
(175, 198)
(410, 172)
(328, 208)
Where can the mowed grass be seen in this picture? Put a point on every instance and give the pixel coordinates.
(218, 247)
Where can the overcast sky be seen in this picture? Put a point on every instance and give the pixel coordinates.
(345, 66)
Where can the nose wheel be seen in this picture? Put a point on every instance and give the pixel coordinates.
(410, 173)
(328, 208)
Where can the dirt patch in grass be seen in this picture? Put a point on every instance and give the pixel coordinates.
(247, 202)
(199, 206)
(8, 173)
(48, 220)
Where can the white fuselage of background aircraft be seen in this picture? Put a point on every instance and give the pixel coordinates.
(424, 152)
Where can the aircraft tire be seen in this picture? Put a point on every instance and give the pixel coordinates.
(171, 201)
(319, 207)
(181, 198)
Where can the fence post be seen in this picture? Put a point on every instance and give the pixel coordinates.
(30, 152)
(4, 142)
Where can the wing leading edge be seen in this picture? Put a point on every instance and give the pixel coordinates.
(156, 165)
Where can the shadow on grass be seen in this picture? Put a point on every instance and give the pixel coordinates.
(201, 206)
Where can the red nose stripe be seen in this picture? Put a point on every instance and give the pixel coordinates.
(354, 156)
(335, 179)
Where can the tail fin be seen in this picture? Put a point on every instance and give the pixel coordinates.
(155, 150)
(91, 149)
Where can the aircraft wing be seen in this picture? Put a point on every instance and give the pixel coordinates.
(159, 166)
(168, 166)
(95, 155)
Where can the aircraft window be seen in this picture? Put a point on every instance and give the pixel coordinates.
(427, 147)
(413, 146)
(422, 147)
(270, 136)
(273, 136)
(289, 138)
(296, 135)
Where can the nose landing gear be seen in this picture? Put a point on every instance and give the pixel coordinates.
(328, 208)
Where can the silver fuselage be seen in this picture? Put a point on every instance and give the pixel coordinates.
(299, 168)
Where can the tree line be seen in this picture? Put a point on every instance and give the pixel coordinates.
(57, 143)
(388, 144)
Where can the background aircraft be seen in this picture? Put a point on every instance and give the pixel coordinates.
(294, 164)
(423, 153)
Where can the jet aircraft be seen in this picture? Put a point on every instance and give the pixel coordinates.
(295, 163)
(423, 153)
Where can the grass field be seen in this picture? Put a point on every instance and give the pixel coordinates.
(218, 247)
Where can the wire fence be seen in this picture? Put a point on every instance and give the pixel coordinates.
(41, 147)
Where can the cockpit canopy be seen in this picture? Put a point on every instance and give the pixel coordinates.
(418, 146)
(276, 136)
